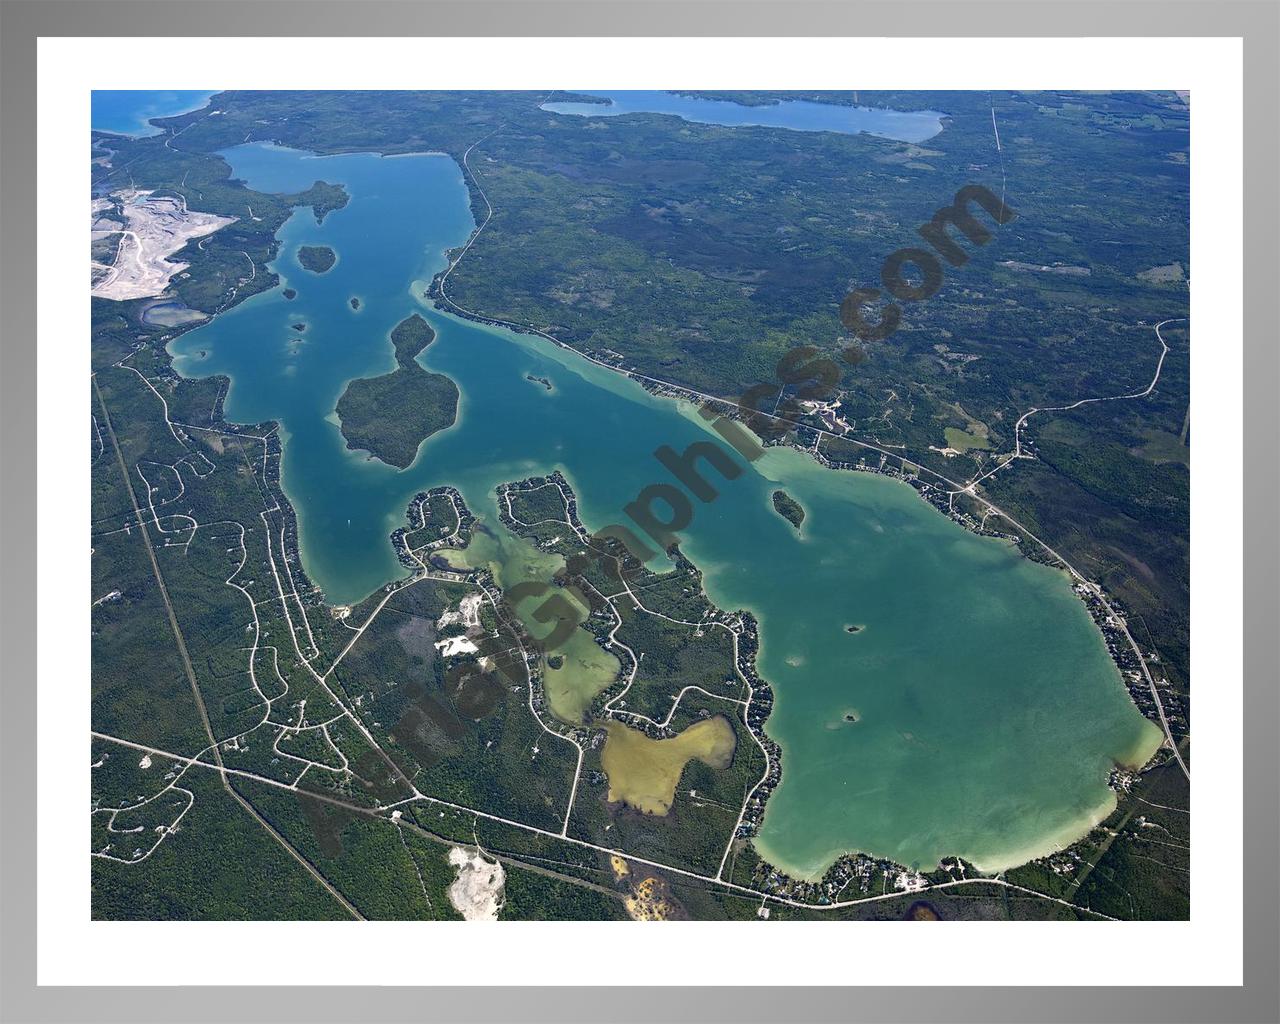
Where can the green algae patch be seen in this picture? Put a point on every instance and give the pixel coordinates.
(585, 670)
(643, 773)
(579, 669)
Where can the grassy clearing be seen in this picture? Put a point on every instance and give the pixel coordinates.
(1162, 446)
(963, 441)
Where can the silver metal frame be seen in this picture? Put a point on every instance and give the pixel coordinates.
(1256, 21)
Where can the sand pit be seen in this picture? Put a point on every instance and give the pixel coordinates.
(476, 893)
(149, 229)
(649, 901)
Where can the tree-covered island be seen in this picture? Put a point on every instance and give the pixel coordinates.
(787, 507)
(318, 259)
(390, 416)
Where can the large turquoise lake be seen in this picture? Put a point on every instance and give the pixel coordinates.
(989, 713)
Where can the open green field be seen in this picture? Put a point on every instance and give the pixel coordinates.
(963, 440)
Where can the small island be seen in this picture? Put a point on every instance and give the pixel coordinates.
(299, 327)
(787, 507)
(390, 416)
(319, 259)
(355, 302)
(847, 718)
(323, 198)
(290, 294)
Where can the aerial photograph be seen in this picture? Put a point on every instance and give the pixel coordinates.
(611, 505)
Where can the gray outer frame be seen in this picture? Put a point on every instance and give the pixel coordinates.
(1258, 22)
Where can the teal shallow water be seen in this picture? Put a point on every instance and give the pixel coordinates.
(989, 712)
(129, 111)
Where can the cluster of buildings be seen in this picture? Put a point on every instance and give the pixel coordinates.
(534, 483)
(1111, 621)
(1064, 863)
(418, 516)
(758, 710)
(856, 872)
(307, 591)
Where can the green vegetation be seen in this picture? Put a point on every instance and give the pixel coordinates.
(324, 198)
(219, 862)
(104, 249)
(219, 866)
(963, 440)
(539, 505)
(676, 655)
(462, 738)
(439, 520)
(671, 793)
(787, 507)
(1136, 864)
(461, 733)
(318, 259)
(409, 337)
(1164, 447)
(392, 415)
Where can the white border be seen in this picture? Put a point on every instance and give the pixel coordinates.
(72, 949)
